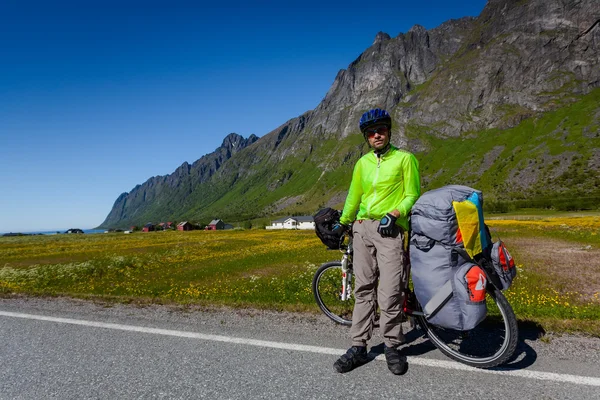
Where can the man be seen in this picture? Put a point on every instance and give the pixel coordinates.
(385, 185)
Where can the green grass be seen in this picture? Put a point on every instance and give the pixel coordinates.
(274, 269)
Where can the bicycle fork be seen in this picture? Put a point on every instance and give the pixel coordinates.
(346, 279)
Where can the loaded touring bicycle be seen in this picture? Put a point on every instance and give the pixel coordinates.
(457, 275)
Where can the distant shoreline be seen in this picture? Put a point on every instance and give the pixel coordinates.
(58, 231)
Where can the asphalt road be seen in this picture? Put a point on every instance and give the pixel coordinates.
(69, 349)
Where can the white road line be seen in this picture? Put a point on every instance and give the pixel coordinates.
(546, 376)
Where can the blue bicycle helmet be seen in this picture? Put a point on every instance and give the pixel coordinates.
(373, 117)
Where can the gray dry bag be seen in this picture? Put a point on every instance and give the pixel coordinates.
(447, 235)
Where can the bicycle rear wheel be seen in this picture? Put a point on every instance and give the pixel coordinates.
(327, 289)
(489, 344)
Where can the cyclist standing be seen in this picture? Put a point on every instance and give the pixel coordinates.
(385, 185)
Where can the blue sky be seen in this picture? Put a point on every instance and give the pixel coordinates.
(97, 97)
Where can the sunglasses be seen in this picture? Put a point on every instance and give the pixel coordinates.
(377, 129)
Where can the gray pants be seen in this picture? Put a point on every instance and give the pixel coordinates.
(377, 258)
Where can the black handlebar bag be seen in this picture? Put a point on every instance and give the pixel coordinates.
(325, 219)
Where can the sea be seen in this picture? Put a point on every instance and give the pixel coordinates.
(56, 232)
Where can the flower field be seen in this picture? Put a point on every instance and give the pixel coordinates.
(237, 268)
(558, 264)
(557, 286)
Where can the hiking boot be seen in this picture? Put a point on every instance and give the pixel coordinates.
(354, 357)
(396, 362)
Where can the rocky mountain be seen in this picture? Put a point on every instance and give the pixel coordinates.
(167, 194)
(506, 102)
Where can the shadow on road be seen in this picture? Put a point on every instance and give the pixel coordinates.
(410, 348)
(523, 357)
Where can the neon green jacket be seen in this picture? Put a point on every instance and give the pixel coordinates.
(381, 185)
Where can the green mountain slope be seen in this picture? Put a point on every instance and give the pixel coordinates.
(552, 156)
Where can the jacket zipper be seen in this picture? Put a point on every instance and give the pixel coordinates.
(374, 185)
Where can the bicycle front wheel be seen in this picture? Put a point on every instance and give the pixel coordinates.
(327, 289)
(489, 344)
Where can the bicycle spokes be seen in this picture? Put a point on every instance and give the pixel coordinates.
(333, 292)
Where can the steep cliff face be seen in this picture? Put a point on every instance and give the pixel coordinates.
(386, 72)
(517, 58)
(507, 101)
(520, 58)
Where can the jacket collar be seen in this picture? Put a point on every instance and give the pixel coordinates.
(385, 151)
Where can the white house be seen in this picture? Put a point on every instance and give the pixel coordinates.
(301, 222)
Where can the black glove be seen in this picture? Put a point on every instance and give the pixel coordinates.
(339, 229)
(387, 225)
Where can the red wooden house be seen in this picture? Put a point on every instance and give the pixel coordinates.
(184, 226)
(148, 228)
(215, 224)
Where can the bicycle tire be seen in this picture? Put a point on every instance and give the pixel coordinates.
(326, 287)
(491, 343)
